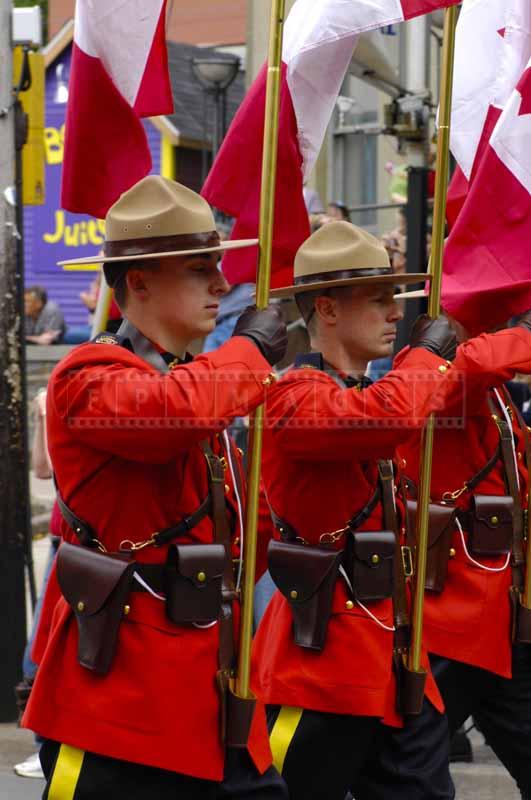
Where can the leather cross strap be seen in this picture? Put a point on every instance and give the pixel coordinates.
(222, 535)
(511, 479)
(411, 487)
(400, 603)
(88, 538)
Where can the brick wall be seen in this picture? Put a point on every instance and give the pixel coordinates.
(203, 22)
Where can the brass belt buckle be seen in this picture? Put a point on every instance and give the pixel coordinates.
(407, 561)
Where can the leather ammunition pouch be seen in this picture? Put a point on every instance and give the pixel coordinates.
(370, 564)
(192, 582)
(491, 530)
(96, 587)
(306, 576)
(441, 528)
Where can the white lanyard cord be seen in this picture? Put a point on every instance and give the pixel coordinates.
(478, 563)
(367, 611)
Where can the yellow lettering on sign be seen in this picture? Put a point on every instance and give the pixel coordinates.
(54, 144)
(84, 232)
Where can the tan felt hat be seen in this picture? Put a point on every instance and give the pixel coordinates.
(341, 254)
(158, 218)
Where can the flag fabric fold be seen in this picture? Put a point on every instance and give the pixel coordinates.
(487, 271)
(319, 40)
(119, 74)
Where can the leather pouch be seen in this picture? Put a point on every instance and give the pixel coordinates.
(96, 587)
(491, 529)
(441, 529)
(192, 579)
(410, 687)
(371, 561)
(306, 576)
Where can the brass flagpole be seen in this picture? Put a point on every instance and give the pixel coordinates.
(436, 264)
(267, 208)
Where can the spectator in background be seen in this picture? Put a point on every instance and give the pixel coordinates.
(395, 242)
(338, 211)
(44, 320)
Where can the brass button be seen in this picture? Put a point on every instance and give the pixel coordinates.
(452, 552)
(81, 606)
(349, 604)
(127, 609)
(271, 378)
(294, 594)
(403, 463)
(494, 520)
(227, 488)
(240, 451)
(375, 558)
(201, 577)
(237, 541)
(519, 456)
(442, 368)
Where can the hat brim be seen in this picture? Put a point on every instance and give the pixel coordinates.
(417, 294)
(235, 244)
(395, 280)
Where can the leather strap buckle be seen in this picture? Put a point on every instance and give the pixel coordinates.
(407, 561)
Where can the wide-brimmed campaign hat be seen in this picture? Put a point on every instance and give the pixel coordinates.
(341, 254)
(159, 218)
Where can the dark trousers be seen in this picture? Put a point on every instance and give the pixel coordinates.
(78, 775)
(501, 708)
(324, 756)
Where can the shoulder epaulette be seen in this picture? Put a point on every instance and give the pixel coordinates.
(112, 338)
(309, 361)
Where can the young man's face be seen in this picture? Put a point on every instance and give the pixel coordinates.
(367, 317)
(183, 293)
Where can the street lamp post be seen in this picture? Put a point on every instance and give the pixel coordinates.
(215, 74)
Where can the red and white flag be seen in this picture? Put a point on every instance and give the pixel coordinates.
(487, 269)
(319, 40)
(491, 51)
(119, 74)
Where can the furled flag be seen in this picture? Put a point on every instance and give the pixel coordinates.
(119, 74)
(487, 270)
(319, 40)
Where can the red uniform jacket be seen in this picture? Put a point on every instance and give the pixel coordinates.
(124, 442)
(470, 620)
(318, 440)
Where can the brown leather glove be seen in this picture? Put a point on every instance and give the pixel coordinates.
(434, 335)
(266, 329)
(524, 320)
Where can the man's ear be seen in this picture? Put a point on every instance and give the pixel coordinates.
(136, 285)
(326, 309)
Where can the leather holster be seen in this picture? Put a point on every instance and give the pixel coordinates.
(306, 576)
(370, 560)
(96, 587)
(410, 687)
(441, 529)
(192, 581)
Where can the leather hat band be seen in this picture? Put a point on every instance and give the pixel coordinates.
(160, 244)
(343, 274)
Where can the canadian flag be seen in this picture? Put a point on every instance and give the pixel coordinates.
(491, 51)
(319, 40)
(119, 74)
(487, 270)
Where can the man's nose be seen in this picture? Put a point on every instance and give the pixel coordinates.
(220, 285)
(396, 313)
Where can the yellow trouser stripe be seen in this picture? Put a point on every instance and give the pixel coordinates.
(66, 773)
(282, 734)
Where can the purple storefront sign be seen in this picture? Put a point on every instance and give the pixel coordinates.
(51, 234)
